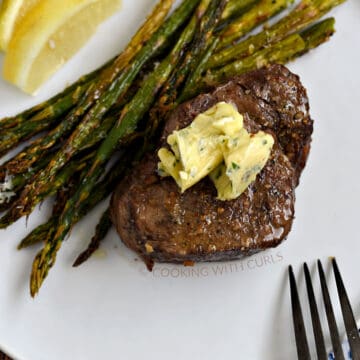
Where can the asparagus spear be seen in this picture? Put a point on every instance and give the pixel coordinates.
(61, 178)
(195, 77)
(169, 96)
(39, 234)
(202, 42)
(318, 34)
(259, 13)
(21, 179)
(48, 117)
(282, 52)
(101, 231)
(169, 92)
(103, 189)
(151, 25)
(22, 175)
(21, 163)
(127, 123)
(236, 7)
(303, 15)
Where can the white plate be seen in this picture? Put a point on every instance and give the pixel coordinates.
(112, 308)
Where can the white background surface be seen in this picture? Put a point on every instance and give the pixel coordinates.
(111, 308)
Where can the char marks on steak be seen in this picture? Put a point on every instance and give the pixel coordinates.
(154, 219)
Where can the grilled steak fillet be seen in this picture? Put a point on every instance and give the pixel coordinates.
(154, 219)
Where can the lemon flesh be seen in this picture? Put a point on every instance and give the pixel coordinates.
(50, 34)
(11, 13)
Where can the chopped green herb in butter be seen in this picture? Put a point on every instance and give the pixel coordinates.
(242, 163)
(216, 144)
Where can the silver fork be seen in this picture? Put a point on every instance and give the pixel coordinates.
(349, 320)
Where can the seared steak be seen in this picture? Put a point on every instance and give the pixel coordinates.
(154, 219)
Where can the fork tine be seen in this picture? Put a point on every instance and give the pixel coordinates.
(348, 315)
(318, 334)
(334, 333)
(299, 327)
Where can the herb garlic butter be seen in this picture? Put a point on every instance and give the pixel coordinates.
(216, 144)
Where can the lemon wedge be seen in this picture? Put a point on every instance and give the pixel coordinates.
(50, 33)
(11, 13)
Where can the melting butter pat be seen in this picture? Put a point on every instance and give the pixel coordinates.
(244, 158)
(195, 150)
(216, 144)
